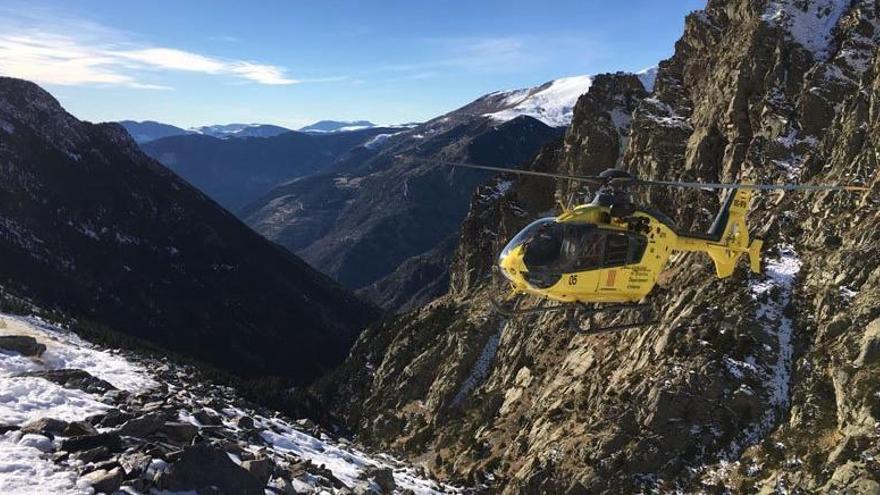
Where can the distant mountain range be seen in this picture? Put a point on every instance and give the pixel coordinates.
(236, 172)
(337, 126)
(225, 131)
(148, 130)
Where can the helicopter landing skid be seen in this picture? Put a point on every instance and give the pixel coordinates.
(574, 317)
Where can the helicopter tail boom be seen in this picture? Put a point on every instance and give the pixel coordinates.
(731, 239)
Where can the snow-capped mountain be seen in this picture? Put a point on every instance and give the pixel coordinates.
(148, 130)
(552, 103)
(325, 126)
(225, 131)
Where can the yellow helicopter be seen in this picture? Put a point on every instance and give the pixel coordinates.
(613, 251)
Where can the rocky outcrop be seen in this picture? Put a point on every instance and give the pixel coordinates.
(22, 344)
(749, 384)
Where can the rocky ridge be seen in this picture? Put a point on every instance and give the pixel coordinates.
(750, 384)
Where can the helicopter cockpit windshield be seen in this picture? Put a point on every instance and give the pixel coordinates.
(554, 248)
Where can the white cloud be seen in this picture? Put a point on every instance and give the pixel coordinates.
(50, 58)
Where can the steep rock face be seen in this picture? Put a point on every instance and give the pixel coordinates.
(92, 226)
(750, 383)
(416, 282)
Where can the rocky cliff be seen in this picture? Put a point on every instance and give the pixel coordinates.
(750, 384)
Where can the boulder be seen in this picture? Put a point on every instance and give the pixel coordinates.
(203, 466)
(869, 350)
(45, 426)
(144, 425)
(383, 477)
(78, 429)
(180, 432)
(135, 464)
(73, 378)
(110, 440)
(261, 469)
(22, 344)
(7, 428)
(99, 453)
(112, 418)
(244, 422)
(207, 418)
(105, 481)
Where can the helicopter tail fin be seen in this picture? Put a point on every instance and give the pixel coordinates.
(734, 236)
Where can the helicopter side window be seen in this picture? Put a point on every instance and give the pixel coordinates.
(590, 249)
(616, 249)
(605, 248)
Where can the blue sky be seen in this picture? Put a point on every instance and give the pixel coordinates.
(293, 62)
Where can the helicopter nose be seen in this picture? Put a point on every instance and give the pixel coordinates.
(512, 266)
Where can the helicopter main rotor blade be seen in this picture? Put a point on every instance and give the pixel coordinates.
(580, 178)
(626, 181)
(757, 187)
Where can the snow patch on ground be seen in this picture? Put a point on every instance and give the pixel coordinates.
(553, 105)
(810, 23)
(379, 139)
(773, 293)
(481, 368)
(346, 464)
(25, 399)
(24, 471)
(64, 349)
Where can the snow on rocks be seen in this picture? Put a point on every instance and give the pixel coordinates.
(810, 24)
(664, 115)
(648, 77)
(24, 470)
(772, 293)
(161, 428)
(65, 350)
(6, 127)
(551, 103)
(481, 367)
